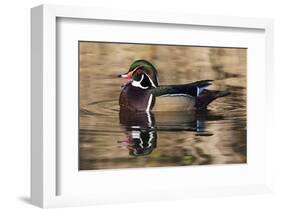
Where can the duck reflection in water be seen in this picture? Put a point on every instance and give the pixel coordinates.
(141, 128)
(140, 132)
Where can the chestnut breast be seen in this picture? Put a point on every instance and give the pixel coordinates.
(136, 99)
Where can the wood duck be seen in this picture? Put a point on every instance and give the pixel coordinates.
(142, 88)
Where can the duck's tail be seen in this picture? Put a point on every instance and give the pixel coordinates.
(208, 96)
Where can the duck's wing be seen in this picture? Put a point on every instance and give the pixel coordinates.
(192, 89)
(195, 91)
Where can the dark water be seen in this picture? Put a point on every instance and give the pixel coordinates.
(113, 139)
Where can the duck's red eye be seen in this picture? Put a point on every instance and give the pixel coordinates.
(139, 70)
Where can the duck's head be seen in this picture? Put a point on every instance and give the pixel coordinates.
(141, 74)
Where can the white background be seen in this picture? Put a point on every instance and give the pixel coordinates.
(81, 183)
(15, 104)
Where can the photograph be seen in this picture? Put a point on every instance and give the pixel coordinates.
(161, 105)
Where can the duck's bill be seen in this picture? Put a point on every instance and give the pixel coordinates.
(127, 75)
(123, 76)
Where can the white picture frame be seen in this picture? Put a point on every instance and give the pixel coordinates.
(44, 153)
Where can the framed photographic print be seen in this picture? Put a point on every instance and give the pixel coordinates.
(130, 106)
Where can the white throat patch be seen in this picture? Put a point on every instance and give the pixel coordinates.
(138, 83)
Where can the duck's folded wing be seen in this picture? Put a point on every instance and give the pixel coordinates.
(192, 89)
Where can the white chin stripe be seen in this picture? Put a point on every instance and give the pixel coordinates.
(138, 83)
